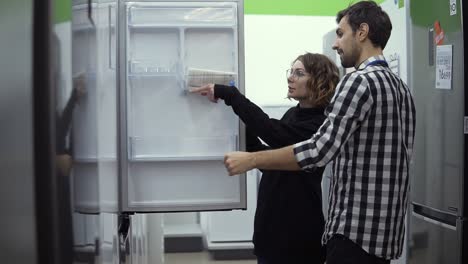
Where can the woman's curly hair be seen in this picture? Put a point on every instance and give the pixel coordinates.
(324, 77)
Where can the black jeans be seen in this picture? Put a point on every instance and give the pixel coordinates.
(341, 250)
(261, 260)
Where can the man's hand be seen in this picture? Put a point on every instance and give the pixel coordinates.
(239, 162)
(206, 90)
(274, 159)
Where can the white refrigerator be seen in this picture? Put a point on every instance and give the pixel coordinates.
(141, 142)
(139, 128)
(172, 143)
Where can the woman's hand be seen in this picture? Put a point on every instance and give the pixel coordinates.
(206, 90)
(79, 87)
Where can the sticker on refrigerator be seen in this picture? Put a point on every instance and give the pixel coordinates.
(439, 33)
(444, 67)
(453, 7)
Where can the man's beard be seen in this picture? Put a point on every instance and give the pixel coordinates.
(351, 59)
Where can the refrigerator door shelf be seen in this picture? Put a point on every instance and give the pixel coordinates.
(182, 13)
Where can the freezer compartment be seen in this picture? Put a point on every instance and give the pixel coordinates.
(211, 49)
(182, 13)
(158, 46)
(194, 56)
(435, 237)
(158, 186)
(155, 47)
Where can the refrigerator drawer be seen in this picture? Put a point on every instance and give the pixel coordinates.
(432, 241)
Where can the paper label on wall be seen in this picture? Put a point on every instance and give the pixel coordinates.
(394, 63)
(453, 7)
(444, 67)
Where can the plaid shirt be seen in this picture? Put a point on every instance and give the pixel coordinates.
(369, 133)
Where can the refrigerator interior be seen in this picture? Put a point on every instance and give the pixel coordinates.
(173, 137)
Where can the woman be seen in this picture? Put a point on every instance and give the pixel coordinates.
(288, 221)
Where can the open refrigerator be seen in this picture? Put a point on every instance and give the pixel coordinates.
(142, 142)
(173, 142)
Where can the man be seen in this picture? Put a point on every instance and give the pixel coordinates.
(369, 134)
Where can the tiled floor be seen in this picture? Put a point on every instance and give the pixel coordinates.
(199, 258)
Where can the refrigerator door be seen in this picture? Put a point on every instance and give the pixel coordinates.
(439, 150)
(435, 237)
(95, 115)
(94, 131)
(173, 142)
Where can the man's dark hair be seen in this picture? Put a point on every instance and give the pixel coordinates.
(380, 26)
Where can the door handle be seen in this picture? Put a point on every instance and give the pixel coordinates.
(90, 13)
(111, 66)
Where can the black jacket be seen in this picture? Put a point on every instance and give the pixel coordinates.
(288, 222)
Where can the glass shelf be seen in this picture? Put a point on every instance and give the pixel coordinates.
(181, 14)
(94, 159)
(166, 148)
(176, 26)
(149, 158)
(138, 67)
(154, 75)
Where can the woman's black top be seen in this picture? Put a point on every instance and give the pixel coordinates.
(289, 222)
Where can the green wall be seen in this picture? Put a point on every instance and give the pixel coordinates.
(62, 8)
(62, 11)
(425, 13)
(297, 7)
